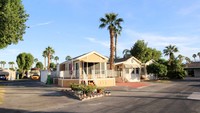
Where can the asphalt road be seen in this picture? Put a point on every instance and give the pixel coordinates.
(168, 97)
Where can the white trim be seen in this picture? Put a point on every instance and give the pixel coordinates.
(93, 52)
(124, 62)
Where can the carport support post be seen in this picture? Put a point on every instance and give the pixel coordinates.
(63, 79)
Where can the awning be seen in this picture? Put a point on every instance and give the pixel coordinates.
(93, 60)
(131, 66)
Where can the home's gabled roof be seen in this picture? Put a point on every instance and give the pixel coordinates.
(85, 55)
(122, 60)
(149, 62)
(80, 56)
(89, 53)
(193, 65)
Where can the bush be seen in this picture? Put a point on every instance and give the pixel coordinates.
(159, 70)
(176, 74)
(85, 89)
(76, 87)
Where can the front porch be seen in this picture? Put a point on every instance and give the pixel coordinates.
(86, 73)
(87, 68)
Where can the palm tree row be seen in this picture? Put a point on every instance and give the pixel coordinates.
(48, 53)
(195, 55)
(2, 64)
(11, 64)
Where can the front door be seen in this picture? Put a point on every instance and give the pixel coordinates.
(77, 70)
(135, 74)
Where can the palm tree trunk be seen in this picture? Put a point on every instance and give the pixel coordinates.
(111, 49)
(115, 46)
(45, 62)
(49, 60)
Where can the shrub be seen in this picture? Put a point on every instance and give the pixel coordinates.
(85, 89)
(76, 87)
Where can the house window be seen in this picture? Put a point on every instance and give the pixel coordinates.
(102, 67)
(90, 68)
(137, 70)
(127, 71)
(133, 71)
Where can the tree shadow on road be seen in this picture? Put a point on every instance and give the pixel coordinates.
(26, 83)
(7, 110)
(196, 85)
(59, 93)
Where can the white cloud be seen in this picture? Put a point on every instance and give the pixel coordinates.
(186, 45)
(94, 40)
(41, 24)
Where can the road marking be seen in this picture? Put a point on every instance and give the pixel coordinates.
(195, 96)
(2, 91)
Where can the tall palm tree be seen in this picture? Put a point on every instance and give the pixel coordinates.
(180, 58)
(169, 51)
(194, 56)
(112, 22)
(56, 59)
(44, 54)
(50, 51)
(126, 53)
(67, 58)
(198, 55)
(3, 64)
(187, 59)
(35, 61)
(11, 64)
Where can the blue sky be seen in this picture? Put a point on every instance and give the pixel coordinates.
(71, 26)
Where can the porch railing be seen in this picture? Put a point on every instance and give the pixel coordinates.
(67, 74)
(95, 74)
(104, 73)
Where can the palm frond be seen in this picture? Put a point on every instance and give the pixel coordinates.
(103, 20)
(103, 25)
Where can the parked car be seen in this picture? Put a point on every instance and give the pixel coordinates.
(35, 76)
(3, 77)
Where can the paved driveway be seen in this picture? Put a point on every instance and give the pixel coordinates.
(30, 95)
